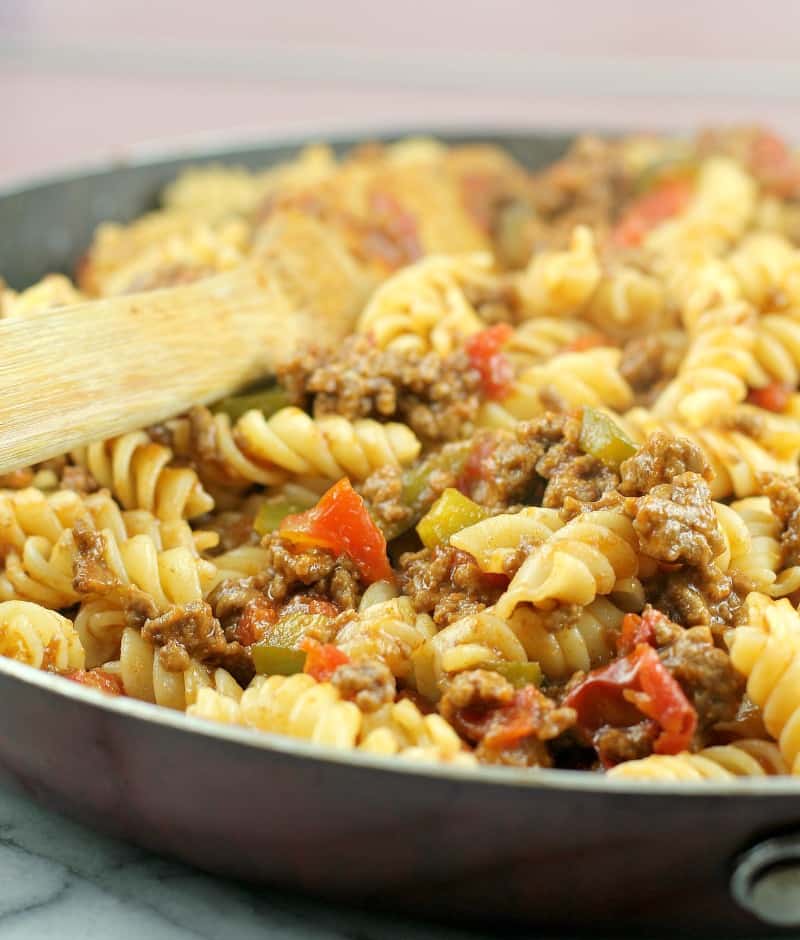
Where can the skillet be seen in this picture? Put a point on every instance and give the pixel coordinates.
(496, 845)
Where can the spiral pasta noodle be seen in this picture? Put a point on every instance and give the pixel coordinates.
(767, 651)
(38, 637)
(389, 631)
(583, 559)
(745, 758)
(559, 283)
(589, 642)
(465, 644)
(136, 470)
(494, 541)
(144, 676)
(736, 459)
(425, 306)
(329, 447)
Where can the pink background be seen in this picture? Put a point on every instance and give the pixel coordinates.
(85, 79)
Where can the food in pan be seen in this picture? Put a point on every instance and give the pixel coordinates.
(541, 508)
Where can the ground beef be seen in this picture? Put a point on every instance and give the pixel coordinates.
(703, 596)
(478, 701)
(184, 632)
(190, 631)
(676, 522)
(476, 688)
(708, 678)
(784, 499)
(573, 475)
(370, 684)
(659, 460)
(247, 615)
(447, 583)
(382, 491)
(540, 462)
(586, 186)
(615, 745)
(437, 396)
(289, 570)
(648, 361)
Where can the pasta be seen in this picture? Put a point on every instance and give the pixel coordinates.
(136, 470)
(38, 637)
(767, 651)
(583, 559)
(328, 447)
(724, 762)
(541, 508)
(425, 306)
(145, 676)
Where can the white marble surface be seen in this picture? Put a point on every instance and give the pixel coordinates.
(60, 880)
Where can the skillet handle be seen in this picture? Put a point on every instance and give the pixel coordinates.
(766, 881)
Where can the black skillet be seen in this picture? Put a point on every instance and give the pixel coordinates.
(494, 845)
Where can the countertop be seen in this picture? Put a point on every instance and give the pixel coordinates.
(61, 880)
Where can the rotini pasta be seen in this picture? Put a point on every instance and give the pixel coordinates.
(767, 650)
(136, 470)
(725, 762)
(38, 637)
(426, 306)
(579, 561)
(329, 447)
(560, 283)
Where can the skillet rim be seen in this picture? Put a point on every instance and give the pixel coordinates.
(203, 149)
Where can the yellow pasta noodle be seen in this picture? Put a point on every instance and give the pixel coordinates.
(38, 637)
(745, 758)
(330, 447)
(579, 561)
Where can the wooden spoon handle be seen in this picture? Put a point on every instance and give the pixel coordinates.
(95, 370)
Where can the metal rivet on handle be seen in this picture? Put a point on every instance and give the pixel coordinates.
(766, 881)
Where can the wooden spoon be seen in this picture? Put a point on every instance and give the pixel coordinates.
(84, 373)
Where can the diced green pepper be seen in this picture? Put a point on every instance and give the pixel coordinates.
(604, 439)
(451, 458)
(451, 512)
(290, 630)
(268, 400)
(518, 674)
(273, 511)
(277, 660)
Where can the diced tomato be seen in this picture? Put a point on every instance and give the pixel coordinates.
(774, 165)
(663, 700)
(773, 397)
(665, 200)
(635, 685)
(504, 725)
(588, 341)
(478, 464)
(341, 522)
(637, 630)
(485, 353)
(322, 659)
(517, 720)
(96, 679)
(257, 616)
